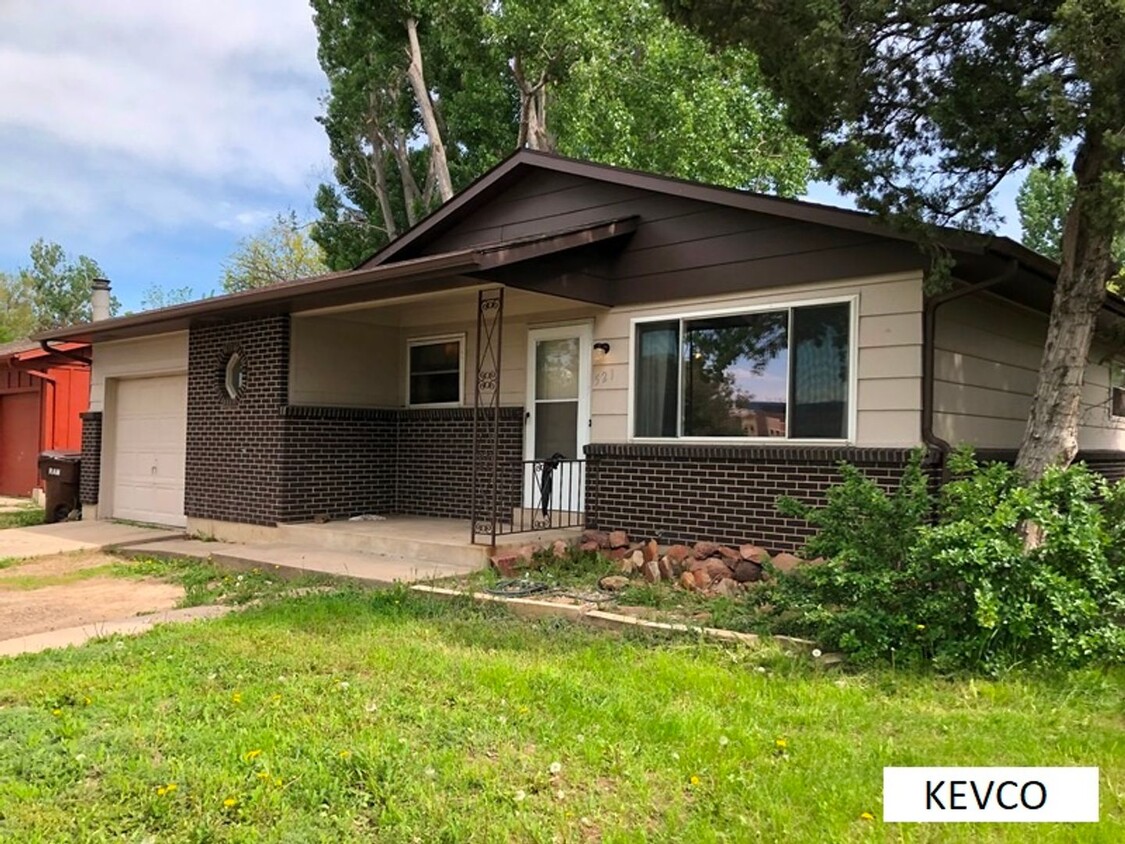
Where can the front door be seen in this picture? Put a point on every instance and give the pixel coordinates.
(558, 416)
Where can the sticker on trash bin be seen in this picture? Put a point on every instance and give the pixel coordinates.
(53, 471)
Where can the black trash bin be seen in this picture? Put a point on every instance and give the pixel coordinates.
(61, 470)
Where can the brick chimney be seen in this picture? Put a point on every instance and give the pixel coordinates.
(99, 299)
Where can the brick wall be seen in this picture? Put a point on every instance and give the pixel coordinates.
(434, 475)
(339, 462)
(235, 449)
(684, 493)
(91, 470)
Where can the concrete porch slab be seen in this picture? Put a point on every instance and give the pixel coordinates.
(63, 537)
(290, 560)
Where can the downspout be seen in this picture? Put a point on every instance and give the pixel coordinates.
(929, 330)
(43, 414)
(46, 346)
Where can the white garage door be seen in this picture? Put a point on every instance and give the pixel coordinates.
(149, 446)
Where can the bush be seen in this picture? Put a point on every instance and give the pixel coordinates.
(914, 578)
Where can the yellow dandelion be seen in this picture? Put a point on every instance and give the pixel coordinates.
(56, 712)
(781, 743)
(695, 780)
(86, 701)
(263, 775)
(162, 791)
(276, 698)
(251, 755)
(523, 710)
(919, 627)
(230, 803)
(345, 754)
(277, 782)
(170, 787)
(236, 697)
(867, 816)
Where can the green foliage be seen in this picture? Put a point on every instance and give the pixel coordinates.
(53, 291)
(958, 590)
(283, 251)
(155, 296)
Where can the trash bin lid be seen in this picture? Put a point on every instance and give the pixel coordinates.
(61, 456)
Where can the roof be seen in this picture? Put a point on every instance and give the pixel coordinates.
(17, 346)
(396, 269)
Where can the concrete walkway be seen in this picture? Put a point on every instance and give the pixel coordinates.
(124, 627)
(63, 537)
(15, 505)
(291, 561)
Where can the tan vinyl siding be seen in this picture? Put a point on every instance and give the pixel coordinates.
(889, 360)
(986, 364)
(336, 362)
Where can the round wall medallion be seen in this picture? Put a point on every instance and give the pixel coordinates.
(235, 376)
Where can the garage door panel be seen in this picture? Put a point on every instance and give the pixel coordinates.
(151, 426)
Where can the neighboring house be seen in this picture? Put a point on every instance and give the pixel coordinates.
(704, 350)
(42, 398)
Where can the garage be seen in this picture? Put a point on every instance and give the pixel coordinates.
(149, 442)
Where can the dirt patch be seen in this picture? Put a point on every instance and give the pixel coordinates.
(84, 602)
(59, 564)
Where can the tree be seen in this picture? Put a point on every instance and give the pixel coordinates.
(156, 296)
(60, 286)
(1042, 202)
(17, 315)
(611, 81)
(283, 251)
(922, 107)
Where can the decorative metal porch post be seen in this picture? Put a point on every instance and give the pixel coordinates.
(486, 403)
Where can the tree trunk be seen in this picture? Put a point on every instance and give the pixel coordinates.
(533, 111)
(410, 195)
(426, 106)
(382, 192)
(1051, 436)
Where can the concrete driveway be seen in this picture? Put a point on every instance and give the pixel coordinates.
(63, 537)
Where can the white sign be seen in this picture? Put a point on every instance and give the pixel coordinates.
(1007, 795)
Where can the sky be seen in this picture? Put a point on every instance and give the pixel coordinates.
(153, 136)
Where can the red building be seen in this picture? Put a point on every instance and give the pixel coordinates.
(41, 396)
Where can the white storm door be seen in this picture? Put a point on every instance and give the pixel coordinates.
(558, 412)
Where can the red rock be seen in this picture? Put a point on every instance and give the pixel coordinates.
(786, 563)
(729, 554)
(528, 551)
(747, 571)
(613, 583)
(589, 545)
(560, 549)
(701, 578)
(754, 553)
(636, 560)
(717, 570)
(507, 564)
(703, 550)
(651, 571)
(694, 565)
(667, 571)
(678, 553)
(598, 536)
(618, 539)
(618, 553)
(687, 581)
(651, 550)
(727, 588)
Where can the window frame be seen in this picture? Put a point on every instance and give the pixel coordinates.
(1116, 367)
(852, 300)
(433, 340)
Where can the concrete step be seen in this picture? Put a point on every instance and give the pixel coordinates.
(288, 560)
(438, 542)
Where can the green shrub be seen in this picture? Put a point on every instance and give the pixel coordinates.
(947, 581)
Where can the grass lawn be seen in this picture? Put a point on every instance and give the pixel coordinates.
(24, 517)
(381, 716)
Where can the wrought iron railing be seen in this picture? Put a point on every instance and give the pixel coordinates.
(548, 495)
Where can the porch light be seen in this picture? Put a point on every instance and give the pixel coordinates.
(602, 349)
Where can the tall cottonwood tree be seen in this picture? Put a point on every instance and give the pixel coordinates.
(611, 81)
(921, 108)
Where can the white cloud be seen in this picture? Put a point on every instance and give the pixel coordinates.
(135, 114)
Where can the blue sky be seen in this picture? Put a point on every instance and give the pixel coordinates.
(153, 136)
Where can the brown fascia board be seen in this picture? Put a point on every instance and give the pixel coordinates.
(308, 293)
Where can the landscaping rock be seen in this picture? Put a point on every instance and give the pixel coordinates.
(701, 578)
(754, 554)
(619, 553)
(679, 553)
(613, 583)
(717, 570)
(599, 537)
(560, 549)
(618, 539)
(651, 550)
(727, 588)
(590, 545)
(747, 572)
(729, 555)
(786, 563)
(651, 571)
(507, 564)
(527, 552)
(703, 550)
(638, 559)
(687, 581)
(626, 567)
(666, 570)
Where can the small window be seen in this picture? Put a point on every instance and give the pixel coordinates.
(435, 371)
(1117, 390)
(234, 376)
(771, 374)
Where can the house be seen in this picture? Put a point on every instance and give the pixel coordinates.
(42, 397)
(565, 342)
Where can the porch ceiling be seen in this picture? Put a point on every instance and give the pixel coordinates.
(446, 271)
